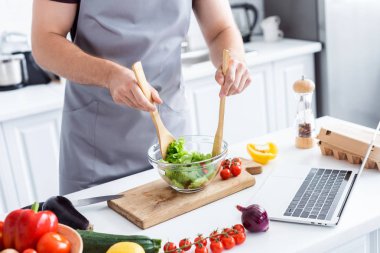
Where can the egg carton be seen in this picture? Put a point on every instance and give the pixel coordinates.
(348, 141)
(340, 154)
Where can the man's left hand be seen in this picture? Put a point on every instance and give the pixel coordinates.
(236, 79)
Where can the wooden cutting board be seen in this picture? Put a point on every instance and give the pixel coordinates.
(155, 202)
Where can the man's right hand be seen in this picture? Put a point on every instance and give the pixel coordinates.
(125, 90)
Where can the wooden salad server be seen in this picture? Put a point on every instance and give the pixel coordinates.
(163, 134)
(217, 147)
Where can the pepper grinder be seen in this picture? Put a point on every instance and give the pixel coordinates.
(304, 89)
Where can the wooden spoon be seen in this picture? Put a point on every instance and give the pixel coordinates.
(217, 148)
(163, 134)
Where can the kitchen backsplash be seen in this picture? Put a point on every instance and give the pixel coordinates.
(16, 15)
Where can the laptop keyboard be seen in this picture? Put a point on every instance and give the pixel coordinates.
(319, 194)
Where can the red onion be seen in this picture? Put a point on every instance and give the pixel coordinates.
(254, 218)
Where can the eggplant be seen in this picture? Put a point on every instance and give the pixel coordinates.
(66, 213)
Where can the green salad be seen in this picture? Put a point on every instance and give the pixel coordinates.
(187, 176)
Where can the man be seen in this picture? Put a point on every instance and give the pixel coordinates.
(106, 131)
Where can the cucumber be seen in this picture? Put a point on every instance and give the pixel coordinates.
(94, 242)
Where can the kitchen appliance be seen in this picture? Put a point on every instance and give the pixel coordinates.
(314, 196)
(348, 67)
(13, 71)
(17, 65)
(155, 202)
(245, 16)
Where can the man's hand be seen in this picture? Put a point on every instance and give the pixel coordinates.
(125, 90)
(236, 79)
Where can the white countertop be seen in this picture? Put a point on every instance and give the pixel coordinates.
(40, 98)
(30, 100)
(361, 216)
(263, 52)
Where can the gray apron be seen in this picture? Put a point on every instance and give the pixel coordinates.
(100, 140)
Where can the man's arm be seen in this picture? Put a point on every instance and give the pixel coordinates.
(52, 22)
(220, 32)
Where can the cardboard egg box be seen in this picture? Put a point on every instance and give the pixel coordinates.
(348, 141)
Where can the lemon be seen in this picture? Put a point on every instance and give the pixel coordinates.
(126, 247)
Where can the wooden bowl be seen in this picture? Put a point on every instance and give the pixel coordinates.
(73, 237)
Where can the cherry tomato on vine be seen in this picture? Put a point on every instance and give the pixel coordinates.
(169, 246)
(229, 231)
(239, 228)
(53, 242)
(216, 246)
(200, 239)
(235, 170)
(185, 244)
(236, 160)
(239, 237)
(201, 248)
(228, 241)
(214, 235)
(225, 174)
(226, 162)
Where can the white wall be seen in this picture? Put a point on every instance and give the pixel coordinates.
(15, 15)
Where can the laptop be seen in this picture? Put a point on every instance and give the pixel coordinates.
(311, 196)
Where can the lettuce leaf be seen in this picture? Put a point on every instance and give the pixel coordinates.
(176, 153)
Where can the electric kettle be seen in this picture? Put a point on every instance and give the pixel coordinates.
(245, 16)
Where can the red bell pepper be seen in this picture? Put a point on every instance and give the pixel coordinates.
(23, 228)
(1, 235)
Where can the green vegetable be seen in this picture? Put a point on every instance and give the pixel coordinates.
(187, 176)
(176, 153)
(94, 242)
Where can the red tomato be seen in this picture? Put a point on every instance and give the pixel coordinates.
(228, 231)
(226, 162)
(239, 238)
(228, 241)
(200, 239)
(29, 251)
(216, 246)
(239, 228)
(53, 242)
(169, 246)
(201, 249)
(225, 174)
(235, 170)
(236, 160)
(185, 244)
(1, 235)
(214, 236)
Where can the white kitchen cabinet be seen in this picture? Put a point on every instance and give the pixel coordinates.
(267, 105)
(33, 147)
(8, 198)
(245, 115)
(364, 244)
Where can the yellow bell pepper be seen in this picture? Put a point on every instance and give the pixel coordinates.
(262, 153)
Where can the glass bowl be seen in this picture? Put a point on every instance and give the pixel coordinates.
(189, 177)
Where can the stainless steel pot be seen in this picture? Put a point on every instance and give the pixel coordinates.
(13, 69)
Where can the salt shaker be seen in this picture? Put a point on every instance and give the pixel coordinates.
(304, 89)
